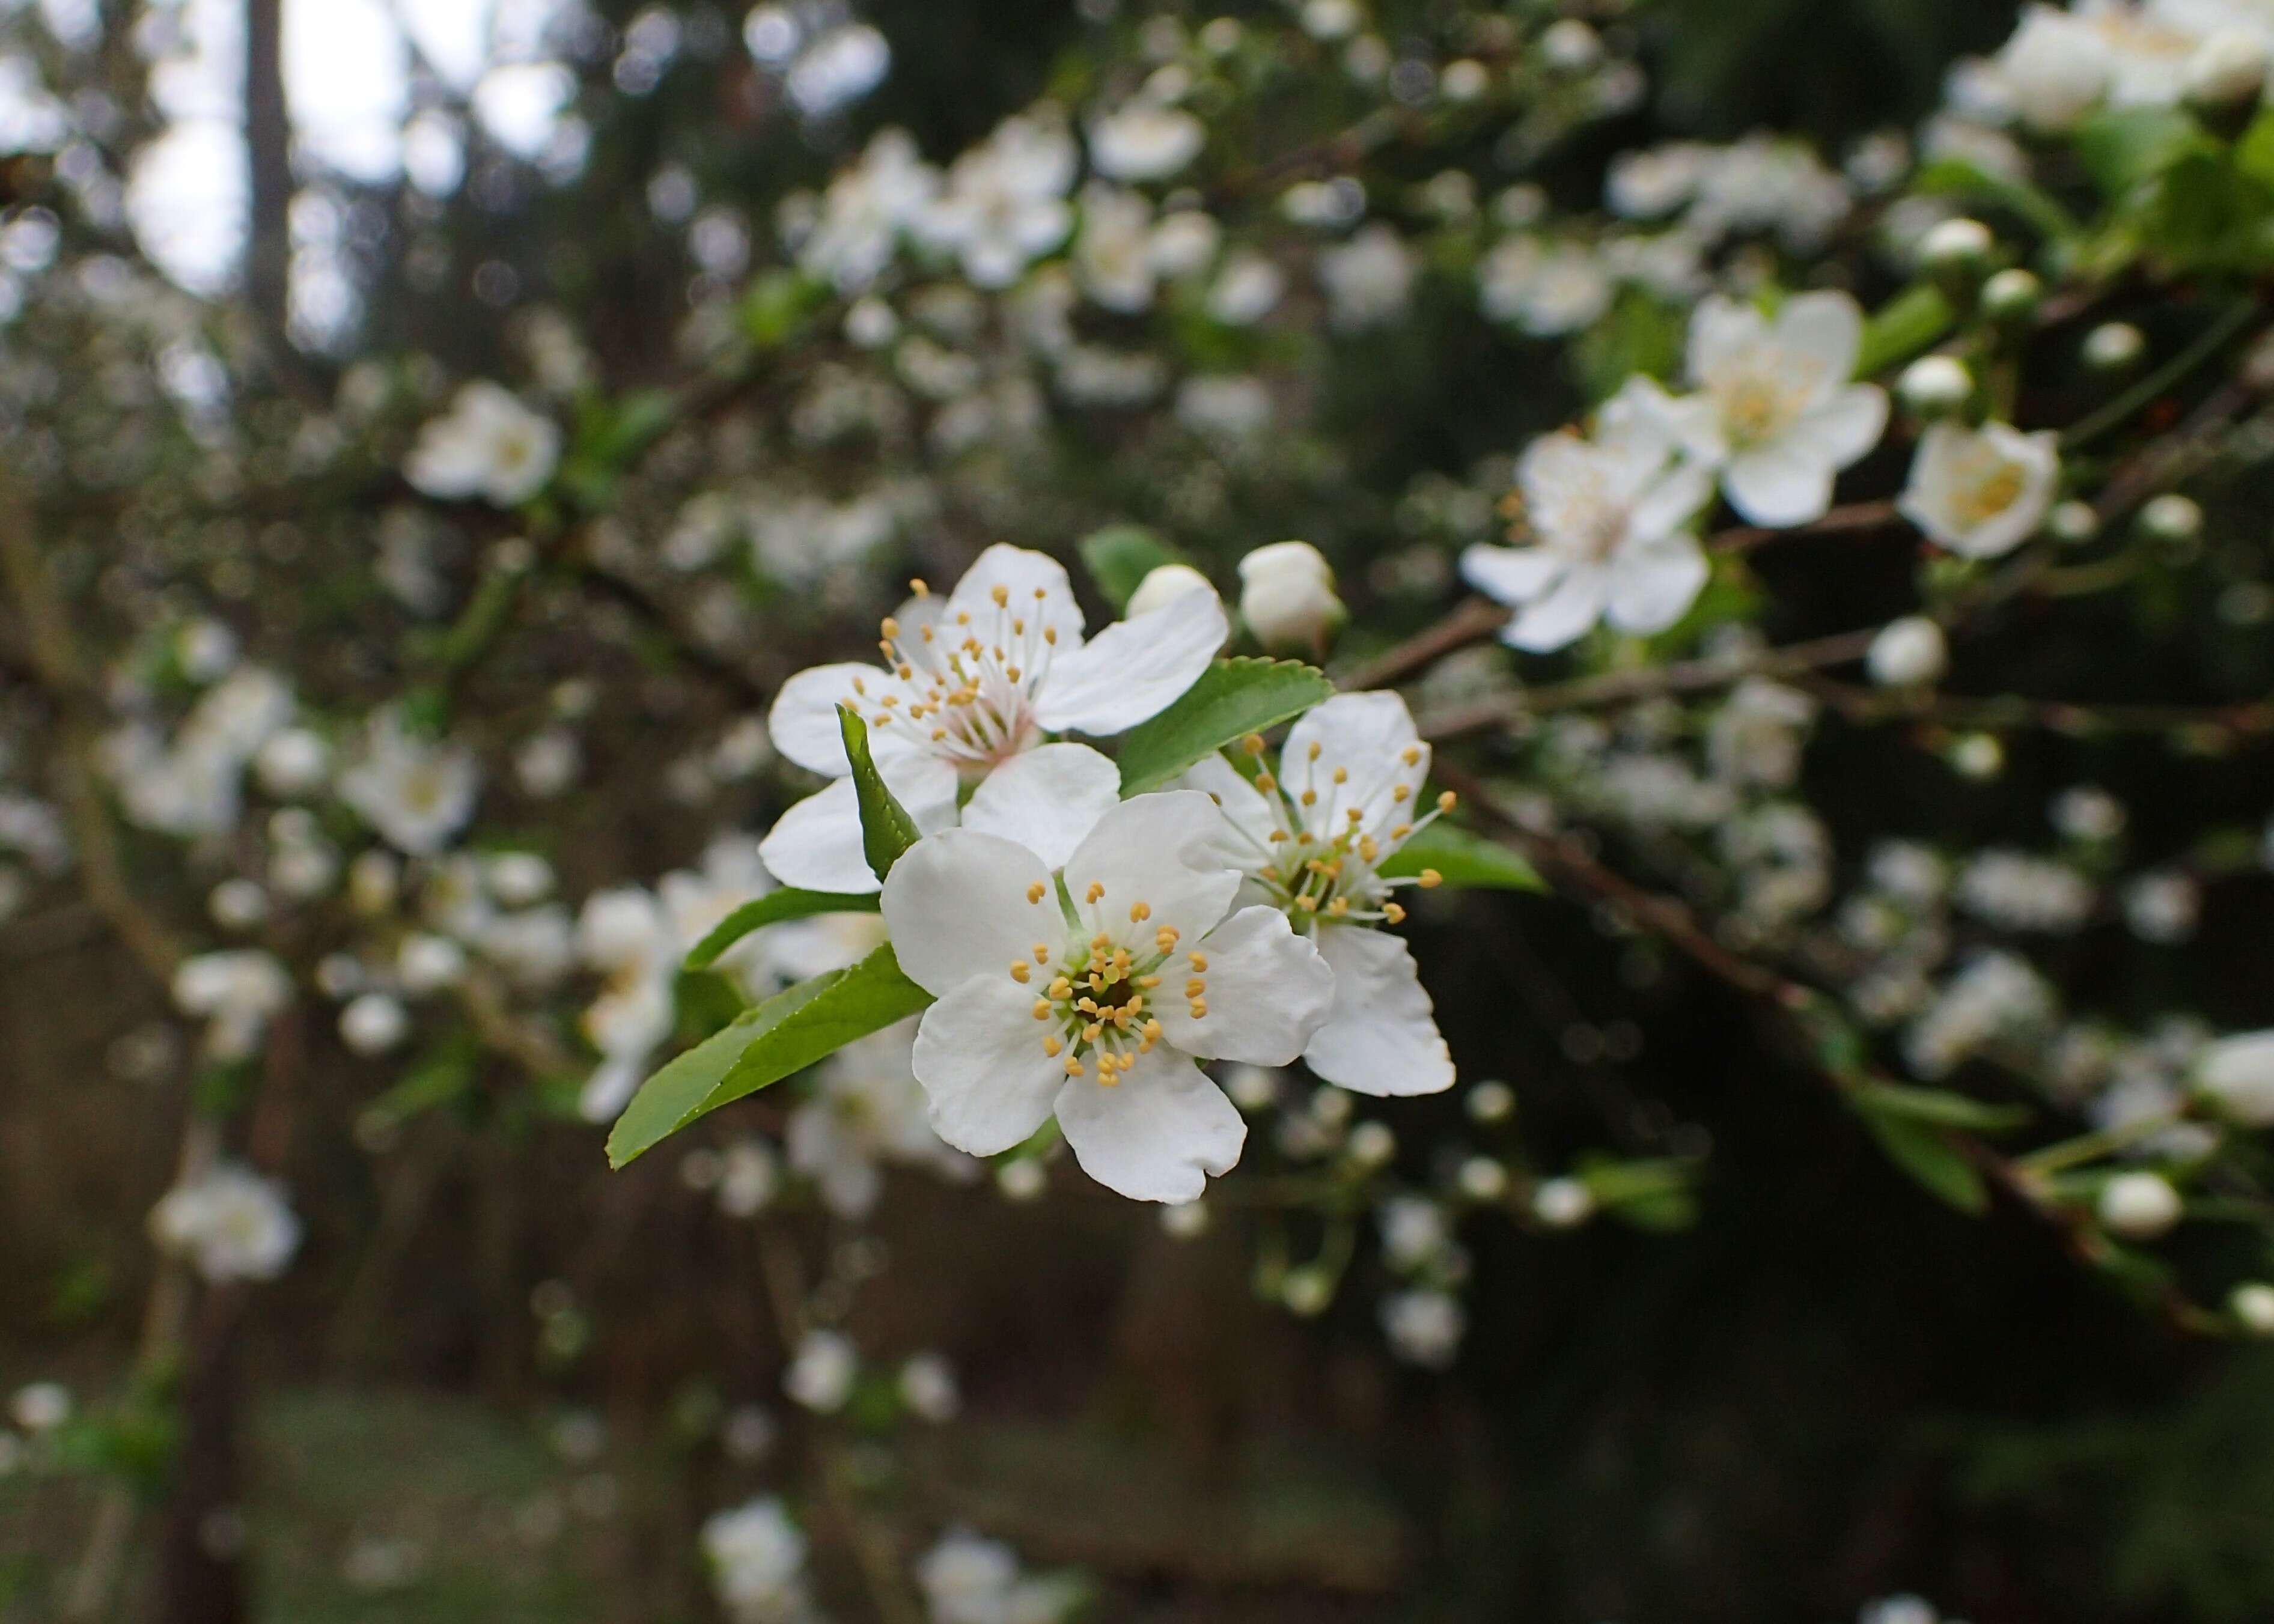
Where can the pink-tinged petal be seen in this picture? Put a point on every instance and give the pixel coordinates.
(1134, 669)
(1046, 798)
(1160, 850)
(1380, 1037)
(1779, 485)
(979, 1056)
(1370, 739)
(1564, 615)
(816, 845)
(961, 904)
(1511, 576)
(1266, 990)
(1157, 1134)
(804, 722)
(1652, 587)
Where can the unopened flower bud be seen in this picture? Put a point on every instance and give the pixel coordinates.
(1563, 1202)
(1935, 386)
(1306, 1292)
(1978, 757)
(2252, 1304)
(1491, 1102)
(2237, 1073)
(2011, 297)
(2139, 1206)
(1164, 584)
(2113, 346)
(1188, 1221)
(1483, 1179)
(2073, 523)
(2172, 518)
(1287, 597)
(1956, 253)
(2227, 74)
(373, 1024)
(1910, 652)
(1371, 1144)
(1021, 1180)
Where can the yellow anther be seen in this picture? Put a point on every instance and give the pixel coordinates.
(1051, 1046)
(1395, 915)
(1310, 798)
(1199, 1010)
(1401, 832)
(1411, 756)
(1122, 1016)
(1039, 594)
(1367, 849)
(1448, 801)
(920, 590)
(1097, 889)
(860, 688)
(1061, 988)
(1140, 911)
(1042, 952)
(1088, 1006)
(1092, 1032)
(890, 627)
(1073, 1066)
(1339, 906)
(1402, 793)
(1265, 782)
(1278, 837)
(1041, 1008)
(1050, 635)
(1313, 752)
(1034, 893)
(939, 733)
(1431, 879)
(1306, 902)
(1011, 672)
(1195, 988)
(1148, 981)
(1356, 815)
(1199, 964)
(1002, 596)
(1165, 937)
(1342, 775)
(1152, 1031)
(1019, 971)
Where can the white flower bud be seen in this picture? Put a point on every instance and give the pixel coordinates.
(1491, 1102)
(1935, 386)
(2238, 1074)
(1570, 46)
(1910, 652)
(2056, 69)
(2252, 1304)
(927, 1387)
(237, 905)
(1306, 1292)
(1164, 584)
(1483, 1179)
(2228, 71)
(427, 963)
(40, 1407)
(293, 763)
(2172, 518)
(1186, 1222)
(373, 1024)
(1022, 1180)
(2073, 523)
(2139, 1206)
(1978, 757)
(1371, 1144)
(2011, 296)
(1956, 245)
(2113, 345)
(1563, 1203)
(1287, 597)
(820, 1377)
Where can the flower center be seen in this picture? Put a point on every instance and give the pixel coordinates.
(1319, 859)
(1757, 408)
(1096, 1008)
(963, 688)
(1987, 488)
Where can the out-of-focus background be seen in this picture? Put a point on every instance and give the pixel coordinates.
(501, 1383)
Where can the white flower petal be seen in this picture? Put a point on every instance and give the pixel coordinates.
(1367, 737)
(1159, 850)
(1246, 841)
(1564, 615)
(1266, 991)
(611, 1086)
(979, 1056)
(817, 844)
(1782, 483)
(1021, 572)
(957, 904)
(1670, 502)
(803, 723)
(1827, 329)
(1380, 1037)
(1046, 798)
(1134, 669)
(1157, 1134)
(1511, 575)
(1845, 428)
(1651, 588)
(1721, 331)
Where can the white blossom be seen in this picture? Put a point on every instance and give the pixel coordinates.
(416, 793)
(229, 1223)
(488, 445)
(867, 210)
(1004, 204)
(1144, 140)
(1981, 493)
(757, 1557)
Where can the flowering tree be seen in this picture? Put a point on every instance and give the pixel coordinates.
(1798, 574)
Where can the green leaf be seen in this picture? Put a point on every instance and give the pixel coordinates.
(1466, 861)
(1233, 698)
(1120, 556)
(1928, 1155)
(1939, 1108)
(778, 307)
(1901, 327)
(887, 829)
(787, 1034)
(772, 909)
(2124, 147)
